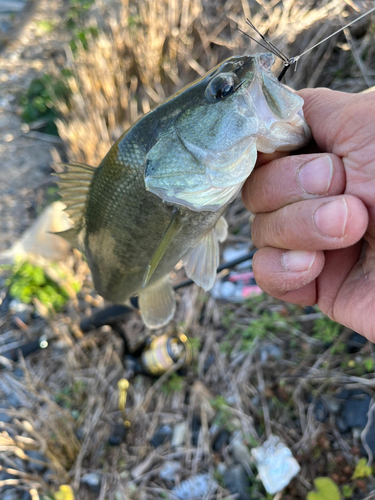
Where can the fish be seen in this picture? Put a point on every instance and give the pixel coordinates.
(159, 195)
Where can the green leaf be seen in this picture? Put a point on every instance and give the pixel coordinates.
(347, 491)
(326, 490)
(361, 469)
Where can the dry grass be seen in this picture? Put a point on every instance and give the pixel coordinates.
(150, 49)
(145, 51)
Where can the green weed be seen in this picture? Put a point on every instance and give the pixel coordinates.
(41, 96)
(326, 330)
(175, 383)
(27, 282)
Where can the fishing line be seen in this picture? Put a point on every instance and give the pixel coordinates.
(288, 61)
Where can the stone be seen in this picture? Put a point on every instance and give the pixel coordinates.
(241, 453)
(161, 435)
(195, 429)
(179, 434)
(355, 410)
(10, 495)
(14, 400)
(222, 439)
(269, 350)
(355, 342)
(118, 433)
(18, 372)
(92, 480)
(370, 441)
(209, 361)
(36, 455)
(4, 417)
(169, 470)
(341, 424)
(237, 482)
(320, 411)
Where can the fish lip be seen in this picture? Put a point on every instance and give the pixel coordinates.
(251, 67)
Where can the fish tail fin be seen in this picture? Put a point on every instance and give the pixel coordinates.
(157, 303)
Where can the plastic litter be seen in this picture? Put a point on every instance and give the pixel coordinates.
(276, 464)
(236, 287)
(239, 284)
(38, 241)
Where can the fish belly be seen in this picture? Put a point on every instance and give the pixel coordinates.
(124, 226)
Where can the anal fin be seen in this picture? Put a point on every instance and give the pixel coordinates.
(203, 259)
(157, 303)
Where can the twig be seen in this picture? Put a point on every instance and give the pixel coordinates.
(266, 412)
(366, 430)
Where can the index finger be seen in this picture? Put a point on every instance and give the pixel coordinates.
(291, 179)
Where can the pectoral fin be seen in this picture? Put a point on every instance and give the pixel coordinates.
(203, 259)
(157, 303)
(173, 228)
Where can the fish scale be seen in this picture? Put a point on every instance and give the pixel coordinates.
(159, 194)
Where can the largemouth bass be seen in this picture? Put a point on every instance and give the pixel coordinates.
(159, 194)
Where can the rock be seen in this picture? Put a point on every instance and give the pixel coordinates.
(118, 434)
(18, 372)
(3, 477)
(370, 441)
(355, 410)
(179, 434)
(221, 468)
(332, 404)
(92, 480)
(209, 361)
(355, 342)
(196, 487)
(21, 311)
(195, 429)
(341, 424)
(237, 482)
(14, 400)
(36, 455)
(309, 310)
(80, 433)
(161, 435)
(269, 350)
(4, 417)
(221, 440)
(241, 453)
(169, 470)
(320, 411)
(10, 495)
(49, 476)
(349, 406)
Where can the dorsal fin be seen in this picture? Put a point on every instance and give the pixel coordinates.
(74, 185)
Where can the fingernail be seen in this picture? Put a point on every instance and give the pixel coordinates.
(297, 260)
(315, 176)
(330, 219)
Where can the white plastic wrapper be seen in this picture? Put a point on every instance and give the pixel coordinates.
(276, 464)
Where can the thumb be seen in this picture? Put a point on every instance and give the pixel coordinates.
(329, 114)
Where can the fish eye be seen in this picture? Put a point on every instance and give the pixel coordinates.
(220, 87)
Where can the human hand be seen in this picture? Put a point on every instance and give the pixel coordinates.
(314, 220)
